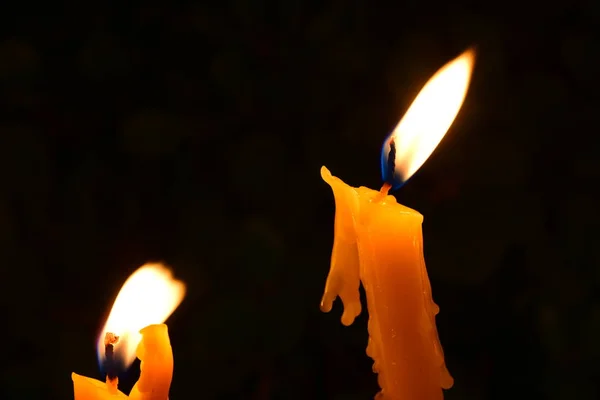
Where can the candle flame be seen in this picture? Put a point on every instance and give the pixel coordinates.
(149, 296)
(427, 120)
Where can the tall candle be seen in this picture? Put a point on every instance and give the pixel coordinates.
(135, 328)
(379, 242)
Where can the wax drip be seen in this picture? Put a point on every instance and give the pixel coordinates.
(446, 380)
(374, 352)
(343, 279)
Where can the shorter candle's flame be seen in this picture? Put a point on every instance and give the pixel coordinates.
(149, 296)
(427, 120)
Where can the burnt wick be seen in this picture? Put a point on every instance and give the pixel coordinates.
(110, 364)
(391, 161)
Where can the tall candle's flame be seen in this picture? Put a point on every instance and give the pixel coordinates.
(427, 120)
(149, 296)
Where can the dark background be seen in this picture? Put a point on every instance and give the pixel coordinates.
(194, 134)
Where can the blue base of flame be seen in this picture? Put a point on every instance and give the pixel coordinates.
(389, 173)
(116, 365)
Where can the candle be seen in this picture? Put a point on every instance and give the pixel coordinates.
(379, 242)
(135, 328)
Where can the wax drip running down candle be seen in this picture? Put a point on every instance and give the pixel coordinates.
(379, 242)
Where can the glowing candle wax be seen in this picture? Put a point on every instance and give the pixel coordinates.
(379, 242)
(156, 368)
(135, 327)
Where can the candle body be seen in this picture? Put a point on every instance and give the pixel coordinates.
(156, 371)
(379, 242)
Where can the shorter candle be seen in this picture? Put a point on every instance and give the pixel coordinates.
(135, 328)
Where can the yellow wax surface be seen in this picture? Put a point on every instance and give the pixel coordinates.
(379, 242)
(156, 367)
(86, 388)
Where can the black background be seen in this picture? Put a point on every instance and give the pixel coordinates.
(193, 133)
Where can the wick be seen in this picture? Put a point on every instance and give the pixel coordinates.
(385, 189)
(112, 384)
(112, 380)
